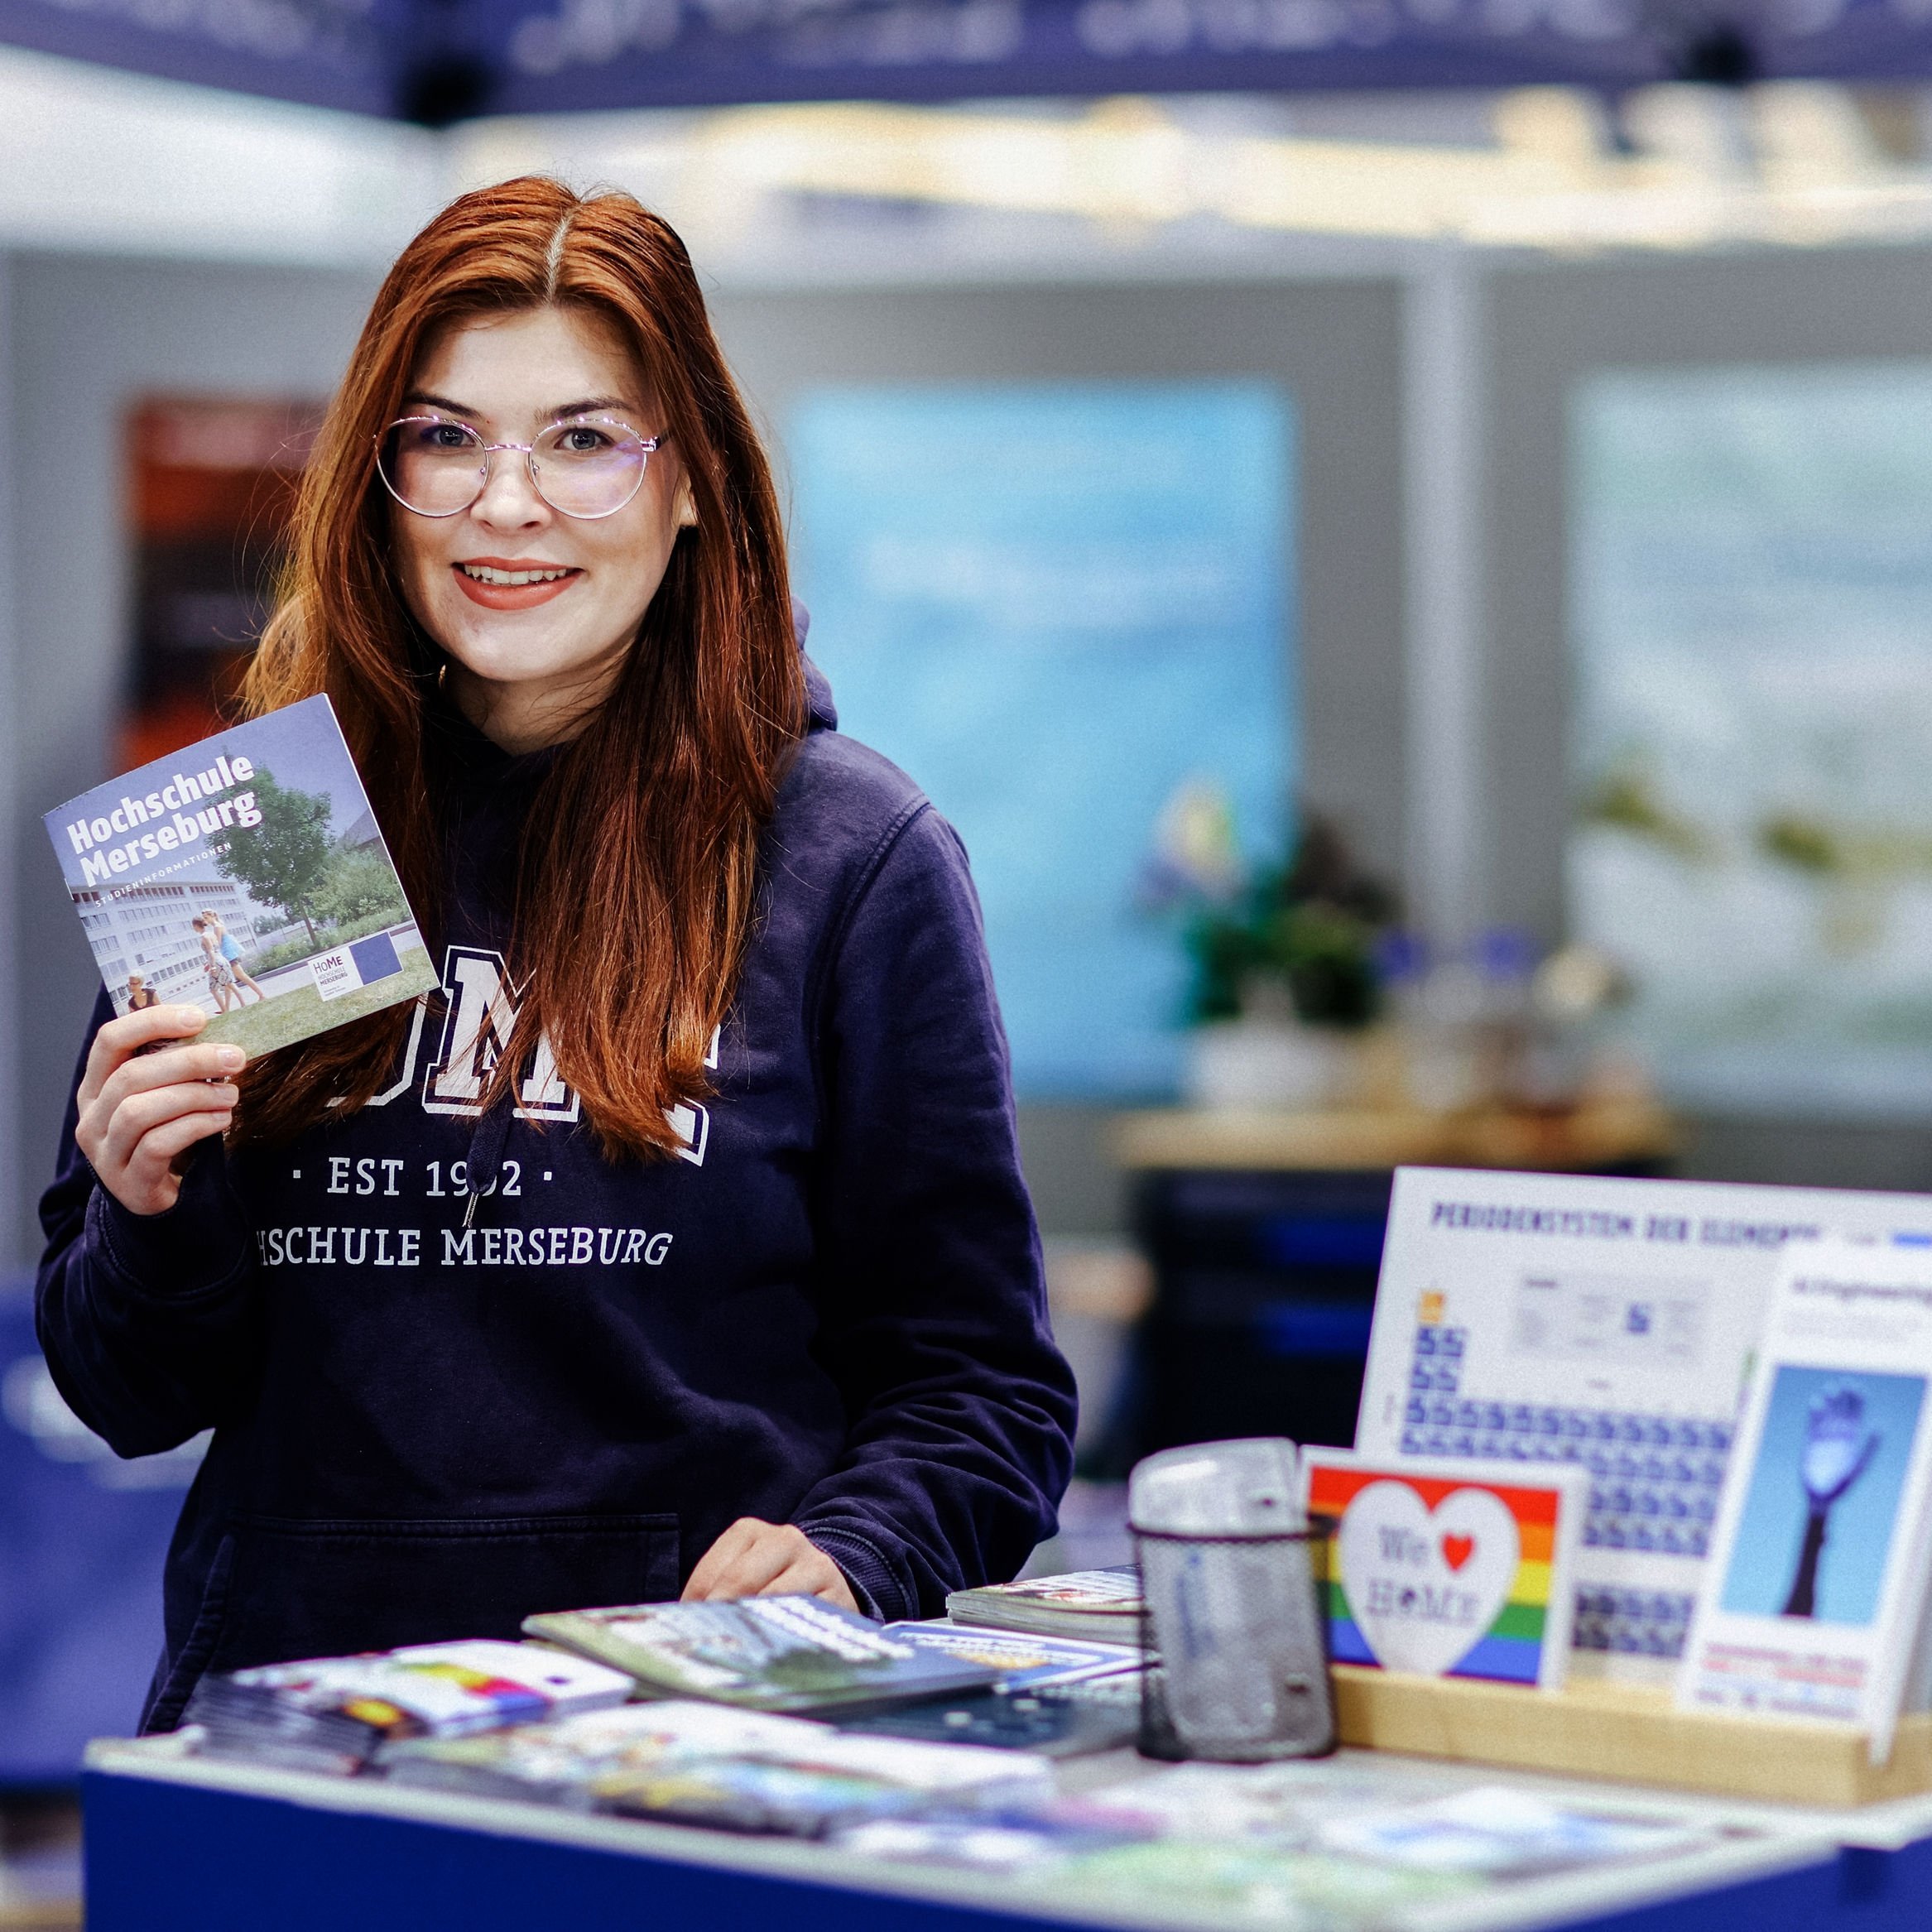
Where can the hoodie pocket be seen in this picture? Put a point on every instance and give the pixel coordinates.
(320, 1590)
(170, 1695)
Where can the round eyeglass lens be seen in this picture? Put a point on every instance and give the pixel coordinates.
(590, 466)
(433, 465)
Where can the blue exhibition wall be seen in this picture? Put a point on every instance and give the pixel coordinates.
(82, 1538)
(432, 60)
(1067, 610)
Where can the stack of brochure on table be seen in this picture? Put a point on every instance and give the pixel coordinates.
(1054, 1695)
(1337, 1846)
(1101, 1606)
(1330, 1846)
(332, 1714)
(705, 1764)
(934, 1683)
(784, 1654)
(920, 1682)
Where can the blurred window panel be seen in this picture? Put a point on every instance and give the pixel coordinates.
(1068, 610)
(212, 483)
(1750, 584)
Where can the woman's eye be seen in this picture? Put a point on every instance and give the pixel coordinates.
(579, 440)
(446, 436)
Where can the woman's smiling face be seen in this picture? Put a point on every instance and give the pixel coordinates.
(535, 610)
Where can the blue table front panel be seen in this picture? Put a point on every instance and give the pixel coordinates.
(166, 1857)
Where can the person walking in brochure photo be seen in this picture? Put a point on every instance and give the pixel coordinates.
(230, 949)
(221, 982)
(677, 1246)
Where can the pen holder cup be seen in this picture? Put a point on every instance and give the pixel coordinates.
(1241, 1629)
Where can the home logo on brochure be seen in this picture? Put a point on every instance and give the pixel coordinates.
(482, 1017)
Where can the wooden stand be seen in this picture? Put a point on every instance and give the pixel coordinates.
(1604, 1135)
(1599, 1730)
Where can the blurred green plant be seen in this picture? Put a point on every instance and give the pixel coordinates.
(1803, 844)
(1311, 924)
(1626, 799)
(1812, 845)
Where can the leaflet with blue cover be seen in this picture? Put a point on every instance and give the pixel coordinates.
(1817, 1583)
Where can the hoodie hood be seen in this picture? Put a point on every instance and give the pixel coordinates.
(824, 714)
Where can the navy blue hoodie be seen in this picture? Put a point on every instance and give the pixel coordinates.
(829, 1311)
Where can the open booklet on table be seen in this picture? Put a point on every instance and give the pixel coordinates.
(787, 1654)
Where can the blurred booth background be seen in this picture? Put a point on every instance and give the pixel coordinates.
(1404, 547)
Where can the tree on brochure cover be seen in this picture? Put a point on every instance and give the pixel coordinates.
(283, 861)
(356, 885)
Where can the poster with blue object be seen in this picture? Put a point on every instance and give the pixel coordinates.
(1067, 610)
(83, 1536)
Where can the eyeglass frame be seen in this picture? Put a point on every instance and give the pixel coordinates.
(649, 444)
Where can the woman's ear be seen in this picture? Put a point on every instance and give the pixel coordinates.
(687, 508)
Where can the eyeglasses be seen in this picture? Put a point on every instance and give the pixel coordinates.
(586, 466)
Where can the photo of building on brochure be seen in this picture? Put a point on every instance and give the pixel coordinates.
(245, 875)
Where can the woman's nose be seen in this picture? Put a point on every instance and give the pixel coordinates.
(509, 500)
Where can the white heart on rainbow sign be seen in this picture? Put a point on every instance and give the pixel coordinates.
(1425, 1585)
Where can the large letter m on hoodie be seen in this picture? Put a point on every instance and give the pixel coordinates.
(481, 1018)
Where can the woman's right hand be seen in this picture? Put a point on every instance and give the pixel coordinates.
(140, 1111)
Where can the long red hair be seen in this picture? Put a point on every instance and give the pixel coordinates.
(637, 879)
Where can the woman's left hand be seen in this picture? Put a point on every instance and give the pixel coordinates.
(756, 1558)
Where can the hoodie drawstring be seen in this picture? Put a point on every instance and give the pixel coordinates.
(486, 1155)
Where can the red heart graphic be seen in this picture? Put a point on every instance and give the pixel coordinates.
(1457, 1550)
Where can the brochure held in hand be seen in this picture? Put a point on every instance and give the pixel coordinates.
(247, 876)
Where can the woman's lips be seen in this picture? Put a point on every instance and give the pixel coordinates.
(511, 596)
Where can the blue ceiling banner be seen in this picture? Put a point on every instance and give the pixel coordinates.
(435, 61)
(324, 53)
(605, 53)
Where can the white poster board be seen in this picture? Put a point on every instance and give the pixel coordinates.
(1536, 1318)
(1818, 1565)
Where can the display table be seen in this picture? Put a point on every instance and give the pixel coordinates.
(179, 1844)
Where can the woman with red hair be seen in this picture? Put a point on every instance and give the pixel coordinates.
(681, 1247)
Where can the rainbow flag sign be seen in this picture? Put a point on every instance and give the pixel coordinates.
(1437, 1569)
